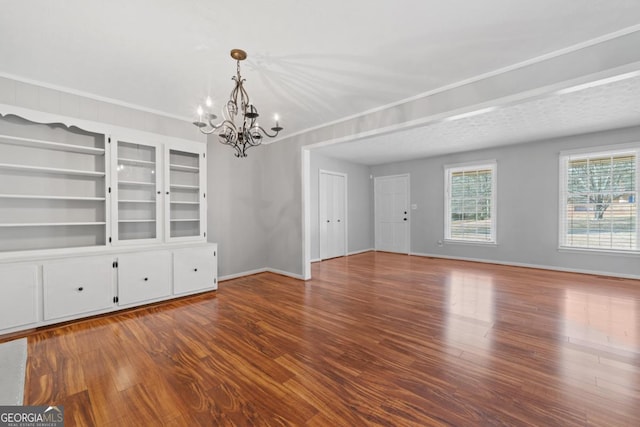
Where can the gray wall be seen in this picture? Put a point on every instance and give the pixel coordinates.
(236, 202)
(359, 204)
(284, 172)
(527, 205)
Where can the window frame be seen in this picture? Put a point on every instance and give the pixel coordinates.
(590, 153)
(449, 170)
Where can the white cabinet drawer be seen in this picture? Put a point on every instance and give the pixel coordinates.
(144, 276)
(18, 295)
(77, 286)
(194, 269)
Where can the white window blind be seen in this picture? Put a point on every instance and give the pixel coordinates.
(470, 203)
(598, 201)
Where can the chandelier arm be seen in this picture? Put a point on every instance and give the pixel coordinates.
(264, 131)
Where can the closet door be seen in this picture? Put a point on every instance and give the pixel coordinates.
(136, 192)
(333, 226)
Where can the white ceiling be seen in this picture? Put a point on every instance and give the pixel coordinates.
(608, 106)
(310, 62)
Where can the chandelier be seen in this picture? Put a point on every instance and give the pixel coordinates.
(239, 127)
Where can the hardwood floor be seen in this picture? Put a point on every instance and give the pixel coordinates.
(373, 339)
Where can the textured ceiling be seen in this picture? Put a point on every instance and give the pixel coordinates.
(607, 106)
(310, 62)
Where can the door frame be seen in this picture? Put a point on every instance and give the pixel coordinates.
(346, 210)
(375, 213)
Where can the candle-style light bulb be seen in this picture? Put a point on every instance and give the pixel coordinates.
(208, 102)
(276, 117)
(200, 111)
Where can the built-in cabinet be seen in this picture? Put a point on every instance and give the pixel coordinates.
(53, 184)
(19, 296)
(76, 286)
(137, 192)
(144, 276)
(186, 196)
(96, 218)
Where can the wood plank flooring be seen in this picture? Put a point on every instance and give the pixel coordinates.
(374, 339)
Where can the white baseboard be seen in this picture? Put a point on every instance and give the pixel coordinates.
(316, 260)
(521, 264)
(243, 274)
(361, 251)
(285, 273)
(260, 270)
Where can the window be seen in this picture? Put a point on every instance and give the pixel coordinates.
(598, 200)
(470, 202)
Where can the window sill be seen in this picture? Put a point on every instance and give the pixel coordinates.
(469, 242)
(629, 253)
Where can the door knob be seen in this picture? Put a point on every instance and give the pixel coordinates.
(328, 221)
(405, 212)
(405, 219)
(338, 220)
(146, 279)
(80, 289)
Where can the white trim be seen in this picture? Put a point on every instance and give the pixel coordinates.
(285, 273)
(316, 260)
(602, 149)
(526, 265)
(616, 252)
(306, 212)
(258, 271)
(491, 164)
(361, 251)
(93, 96)
(471, 113)
(242, 274)
(469, 166)
(91, 126)
(587, 153)
(600, 82)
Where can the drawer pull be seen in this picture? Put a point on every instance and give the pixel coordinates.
(80, 289)
(146, 279)
(195, 269)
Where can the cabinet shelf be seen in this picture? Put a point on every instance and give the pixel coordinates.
(50, 145)
(183, 168)
(49, 224)
(39, 197)
(185, 203)
(40, 169)
(136, 201)
(185, 187)
(136, 220)
(186, 220)
(135, 162)
(140, 183)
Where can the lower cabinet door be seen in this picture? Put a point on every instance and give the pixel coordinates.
(194, 269)
(144, 276)
(77, 286)
(18, 295)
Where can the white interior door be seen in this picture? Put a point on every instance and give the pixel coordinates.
(333, 221)
(392, 213)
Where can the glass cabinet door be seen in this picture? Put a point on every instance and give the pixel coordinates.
(186, 194)
(137, 191)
